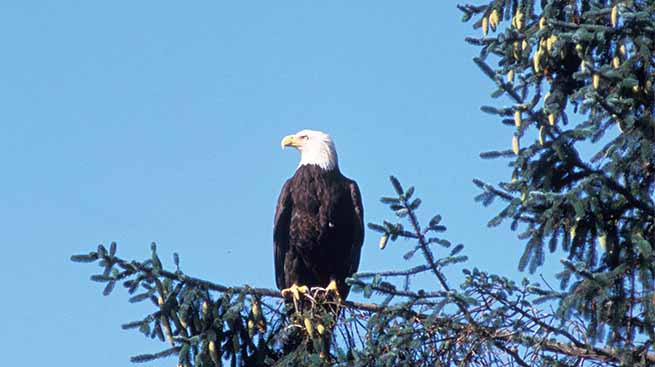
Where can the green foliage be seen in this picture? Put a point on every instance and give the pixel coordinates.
(579, 76)
(484, 321)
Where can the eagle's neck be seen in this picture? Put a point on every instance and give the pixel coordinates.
(324, 157)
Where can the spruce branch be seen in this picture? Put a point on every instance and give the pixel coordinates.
(592, 60)
(449, 326)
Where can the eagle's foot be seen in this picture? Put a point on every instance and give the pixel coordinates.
(332, 288)
(295, 291)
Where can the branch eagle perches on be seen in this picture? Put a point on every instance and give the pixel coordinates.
(489, 320)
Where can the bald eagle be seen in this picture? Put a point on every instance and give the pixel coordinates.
(319, 220)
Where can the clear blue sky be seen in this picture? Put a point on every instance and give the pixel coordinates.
(140, 121)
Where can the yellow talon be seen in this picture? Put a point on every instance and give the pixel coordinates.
(332, 287)
(295, 291)
(286, 291)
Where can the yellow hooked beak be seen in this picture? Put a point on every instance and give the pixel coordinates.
(290, 141)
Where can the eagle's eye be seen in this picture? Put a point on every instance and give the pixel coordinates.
(304, 137)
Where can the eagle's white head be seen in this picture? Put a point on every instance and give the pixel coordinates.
(316, 147)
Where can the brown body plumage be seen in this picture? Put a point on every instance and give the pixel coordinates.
(319, 229)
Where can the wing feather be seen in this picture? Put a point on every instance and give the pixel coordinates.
(358, 231)
(281, 232)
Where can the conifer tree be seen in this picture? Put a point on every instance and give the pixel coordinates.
(574, 87)
(579, 79)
